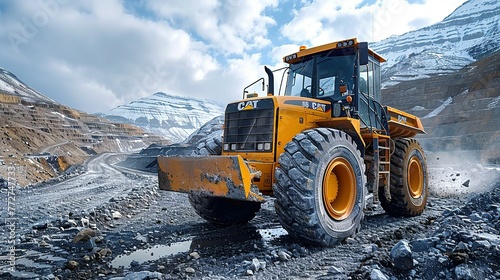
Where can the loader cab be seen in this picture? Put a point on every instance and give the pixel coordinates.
(345, 73)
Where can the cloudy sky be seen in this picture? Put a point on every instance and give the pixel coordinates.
(94, 55)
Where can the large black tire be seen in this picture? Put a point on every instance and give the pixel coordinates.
(409, 180)
(220, 210)
(320, 187)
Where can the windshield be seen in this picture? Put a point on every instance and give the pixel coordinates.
(331, 71)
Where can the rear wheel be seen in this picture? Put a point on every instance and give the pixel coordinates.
(409, 180)
(220, 210)
(320, 187)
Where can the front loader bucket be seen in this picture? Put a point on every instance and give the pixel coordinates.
(221, 176)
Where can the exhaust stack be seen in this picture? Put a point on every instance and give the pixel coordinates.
(270, 76)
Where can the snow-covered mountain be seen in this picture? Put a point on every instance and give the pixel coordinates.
(470, 33)
(174, 117)
(11, 85)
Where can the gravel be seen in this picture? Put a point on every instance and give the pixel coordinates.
(125, 228)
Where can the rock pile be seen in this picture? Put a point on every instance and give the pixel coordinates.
(465, 244)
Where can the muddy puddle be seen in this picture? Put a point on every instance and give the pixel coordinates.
(224, 239)
(150, 254)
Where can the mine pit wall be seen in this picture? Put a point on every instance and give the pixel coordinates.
(42, 140)
(8, 98)
(460, 111)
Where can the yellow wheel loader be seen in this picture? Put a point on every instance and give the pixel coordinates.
(319, 148)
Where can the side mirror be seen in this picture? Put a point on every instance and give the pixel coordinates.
(363, 53)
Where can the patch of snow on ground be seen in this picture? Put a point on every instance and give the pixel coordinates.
(63, 116)
(494, 103)
(417, 108)
(439, 109)
(6, 87)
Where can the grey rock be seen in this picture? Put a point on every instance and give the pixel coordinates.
(466, 183)
(255, 265)
(461, 247)
(284, 256)
(335, 270)
(40, 226)
(480, 244)
(195, 255)
(116, 215)
(401, 255)
(422, 245)
(72, 265)
(189, 270)
(462, 272)
(376, 274)
(84, 235)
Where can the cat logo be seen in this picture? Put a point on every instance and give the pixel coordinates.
(401, 119)
(314, 106)
(318, 106)
(248, 105)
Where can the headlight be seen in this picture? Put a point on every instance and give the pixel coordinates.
(260, 147)
(267, 146)
(233, 147)
(226, 146)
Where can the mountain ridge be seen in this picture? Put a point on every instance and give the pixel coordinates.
(171, 116)
(469, 33)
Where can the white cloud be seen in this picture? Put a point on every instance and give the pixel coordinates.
(229, 26)
(323, 21)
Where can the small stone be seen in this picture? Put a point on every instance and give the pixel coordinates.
(86, 258)
(85, 222)
(442, 260)
(466, 183)
(459, 257)
(249, 272)
(40, 226)
(195, 255)
(104, 252)
(255, 265)
(463, 272)
(350, 240)
(480, 244)
(189, 270)
(134, 263)
(376, 274)
(72, 265)
(461, 247)
(422, 245)
(402, 256)
(84, 235)
(116, 215)
(335, 270)
(43, 243)
(283, 256)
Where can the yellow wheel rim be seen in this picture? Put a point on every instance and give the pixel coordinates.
(339, 189)
(415, 177)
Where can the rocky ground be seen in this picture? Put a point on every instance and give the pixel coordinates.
(109, 222)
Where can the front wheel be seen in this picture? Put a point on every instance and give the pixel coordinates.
(320, 187)
(221, 210)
